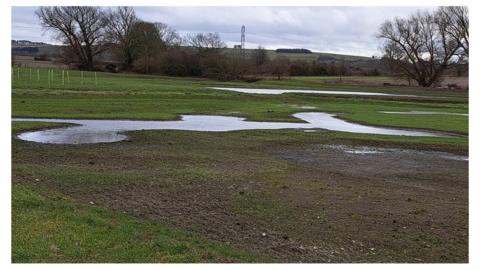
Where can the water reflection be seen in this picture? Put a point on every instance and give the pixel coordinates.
(282, 91)
(98, 131)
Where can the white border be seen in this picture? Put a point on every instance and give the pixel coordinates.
(474, 185)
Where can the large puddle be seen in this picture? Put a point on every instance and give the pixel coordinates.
(282, 91)
(366, 150)
(100, 131)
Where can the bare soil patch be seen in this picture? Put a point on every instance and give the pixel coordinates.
(296, 202)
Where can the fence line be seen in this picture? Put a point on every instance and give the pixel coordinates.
(35, 74)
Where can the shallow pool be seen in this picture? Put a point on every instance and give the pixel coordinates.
(282, 91)
(101, 131)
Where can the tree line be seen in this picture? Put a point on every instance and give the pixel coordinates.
(155, 47)
(423, 45)
(420, 47)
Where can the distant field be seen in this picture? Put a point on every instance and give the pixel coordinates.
(30, 62)
(352, 60)
(66, 94)
(461, 82)
(308, 56)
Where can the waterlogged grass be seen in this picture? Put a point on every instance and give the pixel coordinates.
(455, 123)
(106, 83)
(50, 226)
(128, 96)
(79, 175)
(54, 229)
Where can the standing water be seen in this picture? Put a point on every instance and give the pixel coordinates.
(98, 131)
(283, 91)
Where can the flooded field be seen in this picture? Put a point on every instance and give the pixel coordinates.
(324, 92)
(379, 151)
(288, 178)
(281, 194)
(101, 131)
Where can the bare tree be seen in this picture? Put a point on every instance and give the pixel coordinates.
(300, 68)
(259, 56)
(168, 35)
(279, 66)
(394, 66)
(454, 22)
(208, 50)
(418, 46)
(149, 45)
(205, 41)
(236, 65)
(119, 24)
(342, 69)
(81, 27)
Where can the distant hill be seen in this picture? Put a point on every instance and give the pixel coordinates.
(281, 50)
(25, 43)
(26, 47)
(355, 62)
(307, 55)
(30, 48)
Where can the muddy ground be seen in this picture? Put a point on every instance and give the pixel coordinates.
(294, 201)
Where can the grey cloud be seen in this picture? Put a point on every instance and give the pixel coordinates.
(349, 30)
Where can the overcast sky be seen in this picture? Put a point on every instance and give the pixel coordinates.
(344, 30)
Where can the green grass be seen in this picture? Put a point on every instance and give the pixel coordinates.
(52, 228)
(108, 83)
(26, 126)
(127, 96)
(49, 227)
